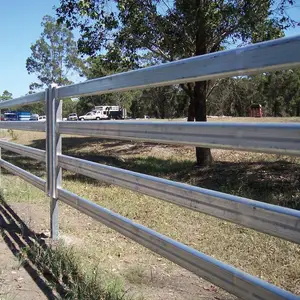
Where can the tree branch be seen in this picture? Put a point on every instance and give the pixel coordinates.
(188, 89)
(158, 51)
(217, 82)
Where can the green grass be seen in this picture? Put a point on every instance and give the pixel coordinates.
(63, 264)
(270, 178)
(59, 266)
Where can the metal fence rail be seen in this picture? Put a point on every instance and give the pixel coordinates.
(271, 138)
(27, 176)
(29, 99)
(257, 58)
(231, 279)
(278, 221)
(24, 125)
(24, 150)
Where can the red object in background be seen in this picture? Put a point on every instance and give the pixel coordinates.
(255, 111)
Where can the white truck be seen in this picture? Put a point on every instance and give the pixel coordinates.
(104, 113)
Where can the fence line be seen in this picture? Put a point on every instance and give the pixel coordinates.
(278, 221)
(24, 125)
(269, 138)
(231, 279)
(29, 99)
(24, 150)
(273, 138)
(27, 176)
(261, 57)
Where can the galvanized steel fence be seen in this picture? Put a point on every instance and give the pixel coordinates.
(270, 138)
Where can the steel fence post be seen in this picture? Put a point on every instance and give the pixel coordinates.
(1, 155)
(53, 146)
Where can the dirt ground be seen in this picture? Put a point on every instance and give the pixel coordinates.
(19, 282)
(15, 282)
(146, 275)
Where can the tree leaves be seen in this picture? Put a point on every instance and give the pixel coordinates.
(6, 95)
(53, 55)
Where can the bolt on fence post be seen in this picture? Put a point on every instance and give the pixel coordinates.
(53, 146)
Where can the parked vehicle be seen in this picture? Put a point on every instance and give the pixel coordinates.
(17, 116)
(34, 117)
(72, 117)
(42, 118)
(104, 113)
(92, 115)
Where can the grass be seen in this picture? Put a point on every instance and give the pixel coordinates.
(63, 265)
(55, 267)
(270, 178)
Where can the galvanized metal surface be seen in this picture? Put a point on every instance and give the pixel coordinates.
(24, 150)
(261, 57)
(29, 99)
(260, 137)
(32, 179)
(275, 220)
(24, 125)
(231, 279)
(54, 176)
(272, 138)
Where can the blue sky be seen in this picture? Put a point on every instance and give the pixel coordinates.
(20, 27)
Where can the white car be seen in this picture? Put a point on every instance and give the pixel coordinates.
(94, 115)
(72, 117)
(34, 117)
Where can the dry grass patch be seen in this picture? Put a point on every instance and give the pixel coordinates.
(270, 178)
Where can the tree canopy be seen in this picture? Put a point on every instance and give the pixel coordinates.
(53, 55)
(128, 30)
(6, 95)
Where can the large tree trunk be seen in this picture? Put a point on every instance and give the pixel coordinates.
(197, 112)
(298, 110)
(197, 108)
(203, 155)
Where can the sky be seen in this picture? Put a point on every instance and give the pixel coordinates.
(20, 27)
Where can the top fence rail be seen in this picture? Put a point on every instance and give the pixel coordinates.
(261, 57)
(274, 138)
(29, 99)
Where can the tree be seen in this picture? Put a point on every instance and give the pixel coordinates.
(172, 30)
(281, 90)
(69, 106)
(6, 95)
(53, 55)
(100, 66)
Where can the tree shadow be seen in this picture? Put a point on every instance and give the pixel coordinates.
(20, 239)
(272, 182)
(276, 182)
(31, 165)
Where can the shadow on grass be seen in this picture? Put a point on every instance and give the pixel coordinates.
(31, 165)
(273, 182)
(54, 268)
(19, 238)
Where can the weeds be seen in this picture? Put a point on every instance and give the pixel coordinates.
(135, 275)
(60, 265)
(262, 177)
(13, 135)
